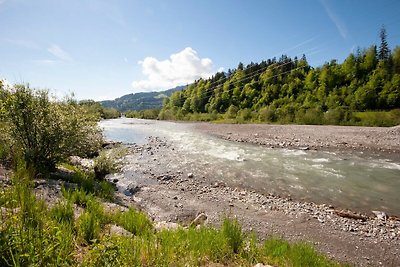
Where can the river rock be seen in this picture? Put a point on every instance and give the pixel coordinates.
(166, 226)
(118, 230)
(262, 265)
(132, 189)
(380, 215)
(199, 220)
(190, 175)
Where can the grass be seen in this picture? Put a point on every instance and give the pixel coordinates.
(377, 118)
(31, 234)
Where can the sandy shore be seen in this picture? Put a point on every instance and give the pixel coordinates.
(374, 139)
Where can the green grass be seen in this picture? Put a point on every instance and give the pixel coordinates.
(377, 118)
(133, 221)
(31, 234)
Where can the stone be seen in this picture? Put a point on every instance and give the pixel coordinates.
(190, 175)
(262, 265)
(118, 230)
(199, 220)
(380, 215)
(163, 225)
(132, 189)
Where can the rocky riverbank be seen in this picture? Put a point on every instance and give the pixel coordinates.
(158, 179)
(373, 139)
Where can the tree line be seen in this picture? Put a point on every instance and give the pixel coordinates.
(289, 90)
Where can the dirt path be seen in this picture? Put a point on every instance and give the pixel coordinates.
(163, 185)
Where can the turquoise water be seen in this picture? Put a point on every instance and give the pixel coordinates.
(348, 180)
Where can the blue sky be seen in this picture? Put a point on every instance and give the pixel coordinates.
(103, 49)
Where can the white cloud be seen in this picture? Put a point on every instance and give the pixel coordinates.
(181, 68)
(335, 19)
(59, 53)
(45, 62)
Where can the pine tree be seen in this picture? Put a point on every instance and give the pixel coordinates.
(384, 51)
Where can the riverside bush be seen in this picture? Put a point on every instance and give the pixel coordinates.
(232, 231)
(46, 132)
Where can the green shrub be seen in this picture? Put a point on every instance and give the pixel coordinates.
(90, 222)
(46, 132)
(106, 190)
(88, 227)
(232, 231)
(134, 221)
(378, 118)
(63, 212)
(104, 164)
(79, 197)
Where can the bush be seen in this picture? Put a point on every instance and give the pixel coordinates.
(232, 231)
(105, 164)
(46, 132)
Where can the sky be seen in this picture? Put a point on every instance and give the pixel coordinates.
(103, 49)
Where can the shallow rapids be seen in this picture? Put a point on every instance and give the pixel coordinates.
(352, 180)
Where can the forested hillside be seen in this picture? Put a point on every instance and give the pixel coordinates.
(290, 90)
(140, 101)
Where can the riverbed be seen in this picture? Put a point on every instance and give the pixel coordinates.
(361, 178)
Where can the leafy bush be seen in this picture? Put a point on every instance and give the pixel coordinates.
(232, 231)
(104, 164)
(46, 132)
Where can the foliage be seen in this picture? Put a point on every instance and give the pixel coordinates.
(232, 231)
(135, 222)
(46, 132)
(139, 101)
(287, 90)
(99, 111)
(150, 114)
(108, 161)
(87, 187)
(31, 234)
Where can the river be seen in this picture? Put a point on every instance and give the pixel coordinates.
(355, 180)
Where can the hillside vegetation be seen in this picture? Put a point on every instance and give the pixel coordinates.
(287, 90)
(140, 101)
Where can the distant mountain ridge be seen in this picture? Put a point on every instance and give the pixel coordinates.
(140, 101)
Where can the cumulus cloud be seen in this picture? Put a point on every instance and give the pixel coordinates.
(59, 53)
(181, 68)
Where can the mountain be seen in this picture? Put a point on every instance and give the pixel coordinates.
(140, 101)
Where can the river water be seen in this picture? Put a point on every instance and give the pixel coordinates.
(353, 180)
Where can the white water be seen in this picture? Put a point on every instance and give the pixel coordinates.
(348, 180)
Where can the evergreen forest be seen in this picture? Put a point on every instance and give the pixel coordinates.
(289, 90)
